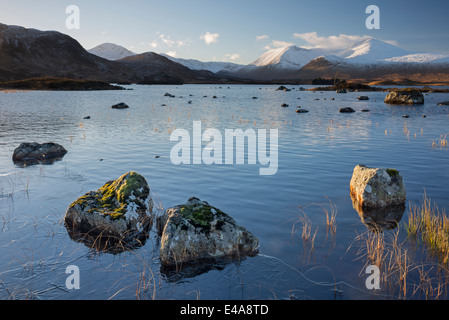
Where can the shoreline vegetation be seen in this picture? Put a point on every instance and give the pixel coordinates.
(334, 84)
(58, 84)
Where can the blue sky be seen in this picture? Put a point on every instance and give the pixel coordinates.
(235, 30)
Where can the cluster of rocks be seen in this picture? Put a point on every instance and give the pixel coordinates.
(122, 212)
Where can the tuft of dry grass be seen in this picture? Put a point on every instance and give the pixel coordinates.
(430, 225)
(441, 142)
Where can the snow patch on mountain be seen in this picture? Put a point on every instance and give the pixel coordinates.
(111, 51)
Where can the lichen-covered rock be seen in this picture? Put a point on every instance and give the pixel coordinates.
(405, 97)
(377, 187)
(120, 210)
(196, 231)
(38, 152)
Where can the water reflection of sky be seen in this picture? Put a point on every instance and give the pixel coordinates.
(317, 154)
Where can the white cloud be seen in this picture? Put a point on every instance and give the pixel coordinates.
(232, 56)
(166, 39)
(278, 44)
(332, 42)
(183, 43)
(171, 54)
(154, 44)
(210, 38)
(262, 37)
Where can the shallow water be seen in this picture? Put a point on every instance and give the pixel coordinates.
(317, 154)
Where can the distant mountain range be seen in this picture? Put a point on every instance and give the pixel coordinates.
(26, 53)
(368, 60)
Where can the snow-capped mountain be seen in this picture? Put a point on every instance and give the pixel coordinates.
(213, 66)
(111, 51)
(368, 52)
(291, 57)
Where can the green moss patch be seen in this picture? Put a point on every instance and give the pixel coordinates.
(114, 197)
(200, 215)
(393, 172)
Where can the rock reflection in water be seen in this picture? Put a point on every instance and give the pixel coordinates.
(379, 218)
(106, 244)
(193, 269)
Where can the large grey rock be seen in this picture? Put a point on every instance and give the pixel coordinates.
(196, 231)
(38, 152)
(120, 210)
(405, 97)
(377, 187)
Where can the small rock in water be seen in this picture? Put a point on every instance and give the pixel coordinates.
(31, 152)
(363, 98)
(120, 106)
(302, 110)
(347, 110)
(445, 103)
(284, 105)
(169, 95)
(86, 118)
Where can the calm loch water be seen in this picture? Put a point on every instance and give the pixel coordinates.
(317, 153)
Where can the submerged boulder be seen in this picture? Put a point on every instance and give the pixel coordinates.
(405, 97)
(363, 98)
(120, 211)
(38, 152)
(196, 231)
(377, 187)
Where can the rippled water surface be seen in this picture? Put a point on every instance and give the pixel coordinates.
(317, 154)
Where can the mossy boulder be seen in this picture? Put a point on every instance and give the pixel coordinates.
(196, 231)
(119, 210)
(377, 187)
